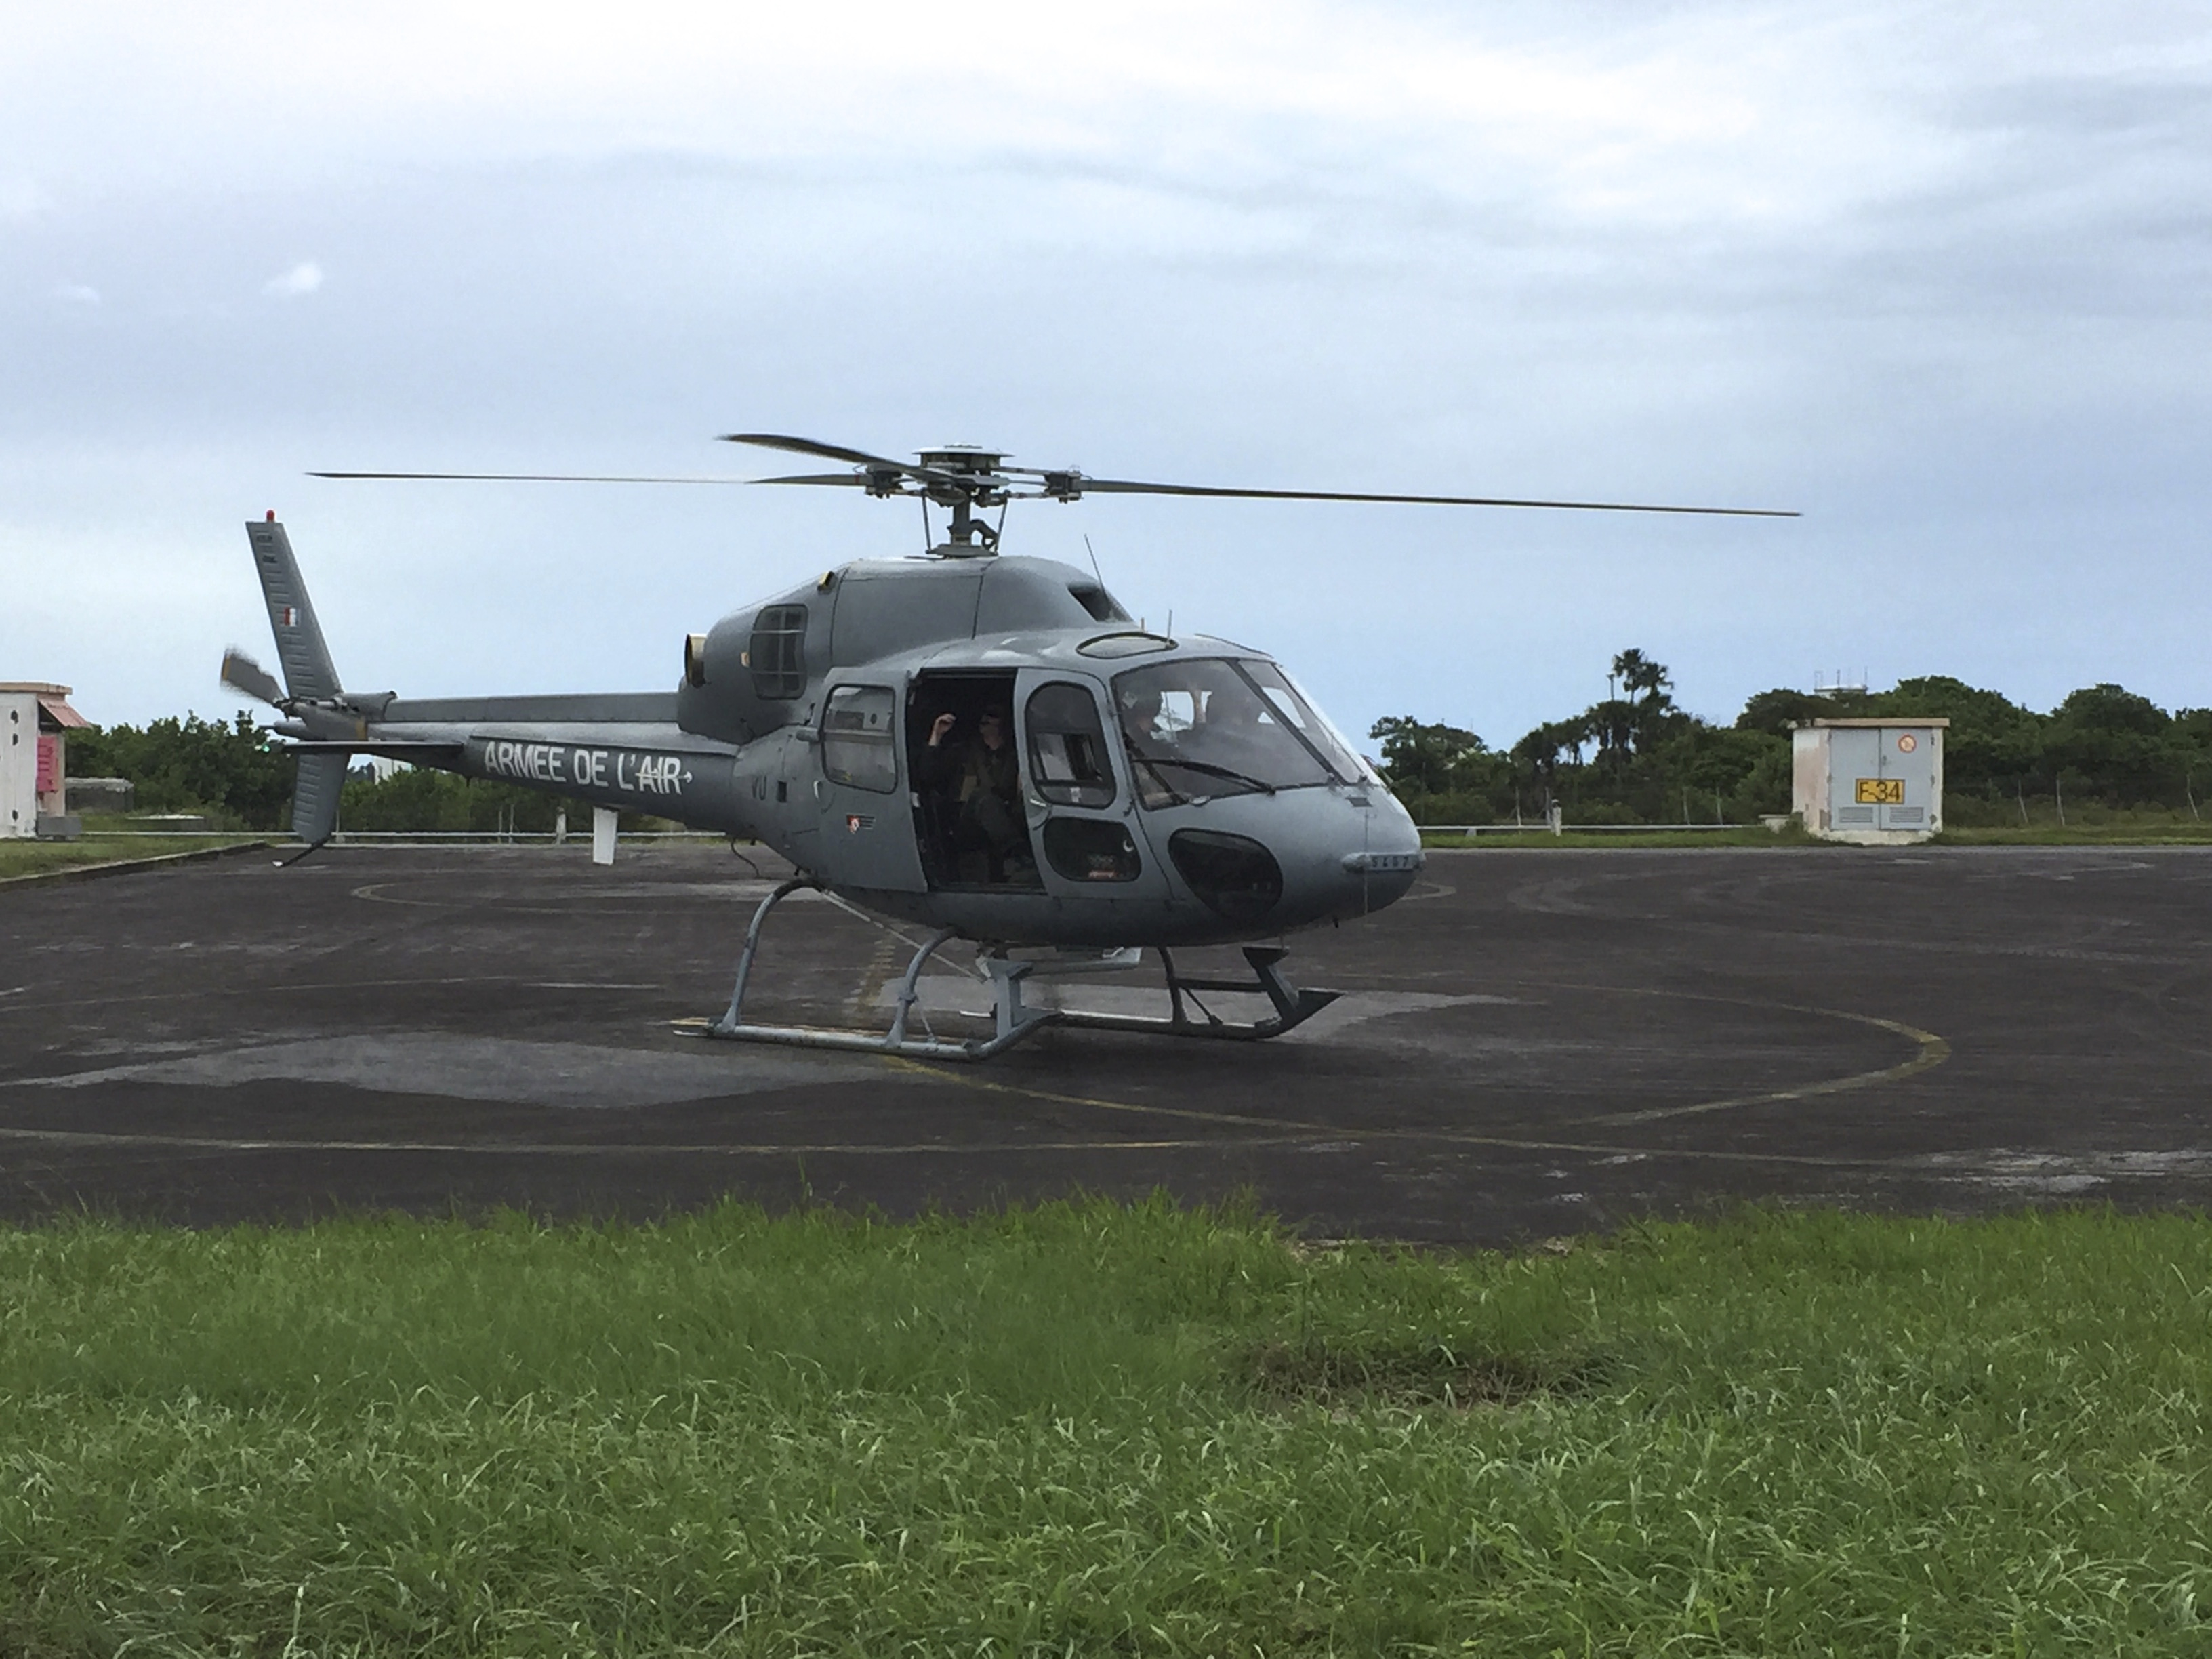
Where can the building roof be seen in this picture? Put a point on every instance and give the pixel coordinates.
(53, 703)
(1892, 719)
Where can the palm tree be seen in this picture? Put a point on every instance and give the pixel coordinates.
(1645, 682)
(1638, 673)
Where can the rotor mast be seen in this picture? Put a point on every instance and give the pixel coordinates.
(963, 477)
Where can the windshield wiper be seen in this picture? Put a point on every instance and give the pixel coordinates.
(1156, 762)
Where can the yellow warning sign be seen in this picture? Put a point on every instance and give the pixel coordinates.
(1880, 792)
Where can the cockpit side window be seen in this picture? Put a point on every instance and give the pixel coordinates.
(777, 653)
(1067, 747)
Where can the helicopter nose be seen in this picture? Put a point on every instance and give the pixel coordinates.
(1383, 870)
(1373, 879)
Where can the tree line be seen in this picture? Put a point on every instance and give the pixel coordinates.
(1635, 756)
(1638, 756)
(238, 776)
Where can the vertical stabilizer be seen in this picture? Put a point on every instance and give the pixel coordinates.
(315, 796)
(308, 671)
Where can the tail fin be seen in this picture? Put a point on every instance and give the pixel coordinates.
(315, 796)
(310, 676)
(308, 671)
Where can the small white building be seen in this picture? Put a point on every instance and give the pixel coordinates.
(1876, 781)
(35, 721)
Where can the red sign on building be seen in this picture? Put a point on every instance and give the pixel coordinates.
(50, 765)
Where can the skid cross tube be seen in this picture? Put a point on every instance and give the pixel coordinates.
(1011, 1018)
(1014, 1021)
(1293, 1006)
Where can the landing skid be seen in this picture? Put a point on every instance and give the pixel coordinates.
(1011, 1018)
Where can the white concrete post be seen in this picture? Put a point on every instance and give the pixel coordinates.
(19, 764)
(604, 821)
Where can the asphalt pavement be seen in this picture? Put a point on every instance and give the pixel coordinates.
(1533, 1044)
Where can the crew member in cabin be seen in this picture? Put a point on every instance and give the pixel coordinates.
(979, 785)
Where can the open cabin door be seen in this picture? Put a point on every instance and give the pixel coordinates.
(1082, 812)
(864, 840)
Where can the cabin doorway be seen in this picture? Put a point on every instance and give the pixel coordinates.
(970, 819)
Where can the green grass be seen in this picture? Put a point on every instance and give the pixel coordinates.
(1755, 836)
(1094, 1430)
(2178, 833)
(27, 858)
(2121, 833)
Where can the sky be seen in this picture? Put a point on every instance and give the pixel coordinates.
(1936, 277)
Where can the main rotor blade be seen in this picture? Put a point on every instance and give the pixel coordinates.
(858, 480)
(1130, 487)
(530, 477)
(877, 464)
(808, 446)
(241, 673)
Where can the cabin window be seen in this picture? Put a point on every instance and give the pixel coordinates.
(1067, 747)
(1091, 849)
(777, 656)
(1097, 602)
(856, 738)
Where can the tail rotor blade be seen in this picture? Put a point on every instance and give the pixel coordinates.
(241, 673)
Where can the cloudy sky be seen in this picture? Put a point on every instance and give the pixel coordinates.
(1938, 276)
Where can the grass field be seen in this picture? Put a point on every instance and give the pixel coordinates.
(2163, 832)
(1756, 835)
(1099, 1430)
(30, 858)
(2178, 833)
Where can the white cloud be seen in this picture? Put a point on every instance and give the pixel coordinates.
(303, 278)
(79, 294)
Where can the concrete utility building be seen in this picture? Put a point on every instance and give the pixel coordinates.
(35, 721)
(1878, 781)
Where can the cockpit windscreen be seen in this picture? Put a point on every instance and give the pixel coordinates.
(1204, 727)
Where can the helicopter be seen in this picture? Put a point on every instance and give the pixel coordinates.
(991, 747)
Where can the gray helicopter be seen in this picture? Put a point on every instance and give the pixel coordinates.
(991, 748)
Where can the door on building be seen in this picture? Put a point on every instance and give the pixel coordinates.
(1855, 783)
(1907, 770)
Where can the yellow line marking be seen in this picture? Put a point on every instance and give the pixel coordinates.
(1931, 1050)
